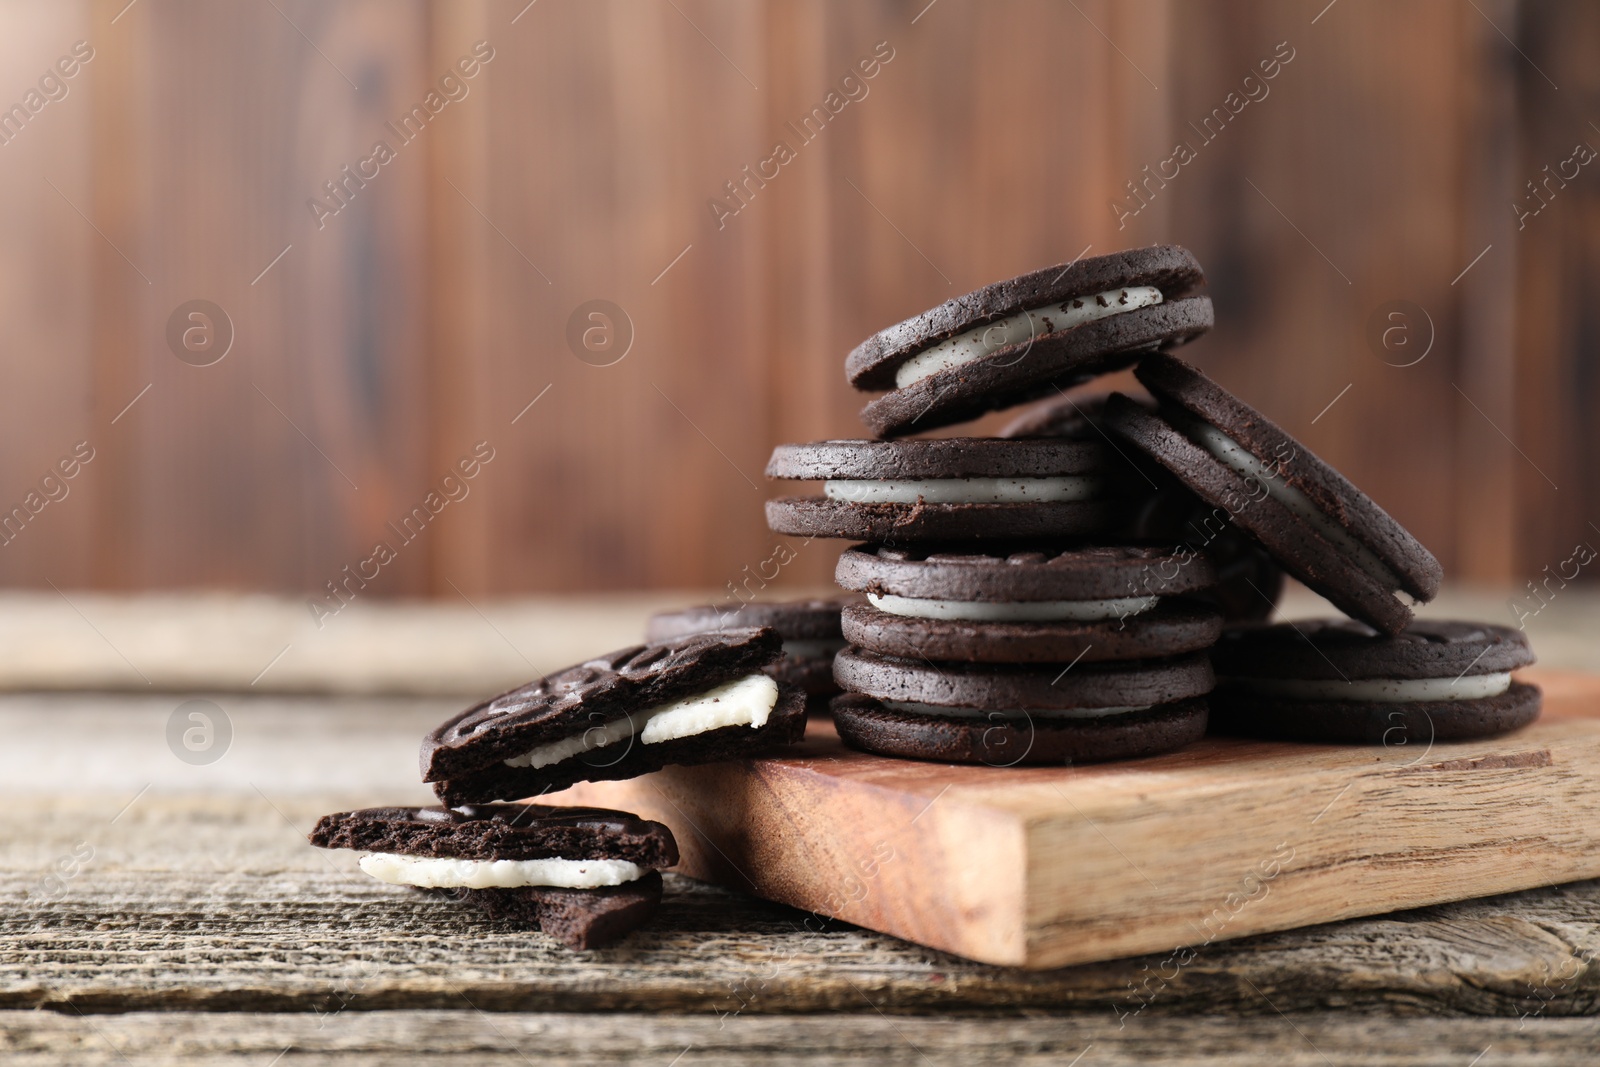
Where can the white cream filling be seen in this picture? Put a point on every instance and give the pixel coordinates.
(1031, 611)
(1383, 690)
(913, 707)
(1017, 329)
(448, 872)
(1244, 463)
(963, 490)
(745, 701)
(810, 648)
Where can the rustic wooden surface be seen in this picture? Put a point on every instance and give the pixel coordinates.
(223, 909)
(207, 910)
(203, 930)
(465, 1037)
(428, 313)
(217, 904)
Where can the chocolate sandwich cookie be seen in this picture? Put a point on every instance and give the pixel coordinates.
(1006, 716)
(950, 489)
(1338, 680)
(809, 628)
(1016, 340)
(585, 876)
(694, 699)
(1318, 526)
(1027, 604)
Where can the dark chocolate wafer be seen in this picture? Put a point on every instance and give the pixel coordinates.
(809, 628)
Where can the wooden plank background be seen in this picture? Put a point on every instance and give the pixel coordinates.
(423, 317)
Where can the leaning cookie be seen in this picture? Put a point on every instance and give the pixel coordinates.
(701, 698)
(1341, 681)
(1028, 604)
(1009, 716)
(1318, 526)
(949, 489)
(1015, 340)
(809, 628)
(585, 876)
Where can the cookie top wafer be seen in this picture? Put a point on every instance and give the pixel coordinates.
(1341, 649)
(1022, 573)
(501, 832)
(1014, 340)
(810, 630)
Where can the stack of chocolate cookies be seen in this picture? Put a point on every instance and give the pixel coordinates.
(1090, 585)
(1051, 594)
(1013, 612)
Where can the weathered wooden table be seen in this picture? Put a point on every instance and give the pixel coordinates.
(157, 910)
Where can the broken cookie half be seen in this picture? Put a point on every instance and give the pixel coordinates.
(585, 876)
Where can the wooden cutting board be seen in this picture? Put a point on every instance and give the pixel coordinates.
(1043, 867)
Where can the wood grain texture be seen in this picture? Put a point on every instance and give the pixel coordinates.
(203, 929)
(214, 902)
(1557, 324)
(610, 127)
(1040, 867)
(305, 438)
(47, 375)
(462, 1036)
(1487, 531)
(426, 315)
